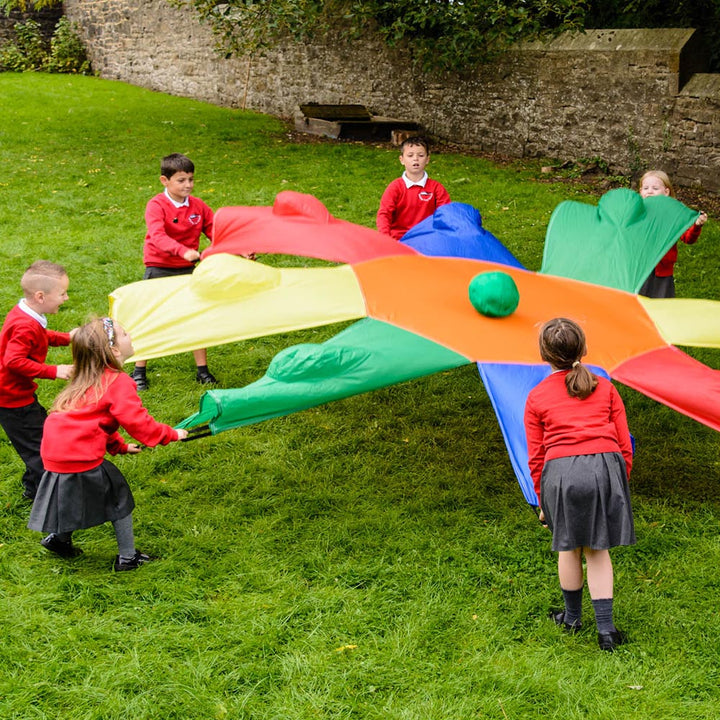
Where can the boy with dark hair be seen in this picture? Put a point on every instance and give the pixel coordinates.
(413, 196)
(24, 342)
(175, 220)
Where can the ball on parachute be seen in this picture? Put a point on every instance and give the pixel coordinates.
(494, 294)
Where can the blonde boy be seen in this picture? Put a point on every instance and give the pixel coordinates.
(24, 341)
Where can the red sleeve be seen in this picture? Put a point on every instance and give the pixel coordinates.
(155, 216)
(386, 213)
(691, 235)
(442, 196)
(116, 444)
(128, 410)
(536, 446)
(208, 221)
(619, 418)
(58, 339)
(21, 345)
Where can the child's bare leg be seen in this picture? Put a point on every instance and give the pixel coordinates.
(599, 573)
(570, 569)
(200, 357)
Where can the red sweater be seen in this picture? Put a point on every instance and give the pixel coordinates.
(172, 231)
(558, 425)
(666, 266)
(23, 348)
(76, 440)
(403, 207)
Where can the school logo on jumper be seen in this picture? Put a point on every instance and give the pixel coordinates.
(194, 219)
(425, 195)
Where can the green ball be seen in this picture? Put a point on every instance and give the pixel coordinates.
(494, 294)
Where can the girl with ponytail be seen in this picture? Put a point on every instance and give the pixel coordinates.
(580, 455)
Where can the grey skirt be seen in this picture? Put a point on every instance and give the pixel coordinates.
(73, 501)
(586, 501)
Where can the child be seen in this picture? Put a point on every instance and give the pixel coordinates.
(413, 196)
(175, 220)
(24, 342)
(80, 489)
(661, 283)
(580, 457)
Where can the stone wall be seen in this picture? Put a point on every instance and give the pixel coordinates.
(631, 97)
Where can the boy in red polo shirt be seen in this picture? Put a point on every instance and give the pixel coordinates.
(24, 342)
(175, 221)
(413, 196)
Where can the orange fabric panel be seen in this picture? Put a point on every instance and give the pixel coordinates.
(429, 296)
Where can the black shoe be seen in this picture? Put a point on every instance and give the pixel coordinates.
(205, 377)
(558, 617)
(134, 563)
(610, 640)
(140, 378)
(64, 549)
(28, 496)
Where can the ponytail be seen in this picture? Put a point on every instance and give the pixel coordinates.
(562, 344)
(579, 381)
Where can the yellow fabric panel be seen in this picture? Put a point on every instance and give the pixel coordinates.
(684, 321)
(229, 298)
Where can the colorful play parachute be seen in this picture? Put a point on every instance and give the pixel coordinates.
(617, 242)
(415, 317)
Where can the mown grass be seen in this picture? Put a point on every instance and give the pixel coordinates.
(373, 558)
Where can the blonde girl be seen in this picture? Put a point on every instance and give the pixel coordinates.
(80, 488)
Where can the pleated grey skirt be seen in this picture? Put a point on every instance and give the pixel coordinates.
(73, 501)
(586, 501)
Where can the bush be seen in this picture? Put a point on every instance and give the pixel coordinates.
(67, 52)
(30, 51)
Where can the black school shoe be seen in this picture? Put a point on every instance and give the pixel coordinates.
(558, 617)
(610, 640)
(64, 549)
(134, 563)
(205, 377)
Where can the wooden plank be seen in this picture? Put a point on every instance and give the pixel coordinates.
(336, 112)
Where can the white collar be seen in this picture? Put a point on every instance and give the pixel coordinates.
(410, 183)
(184, 203)
(29, 311)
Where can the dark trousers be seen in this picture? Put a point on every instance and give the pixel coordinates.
(24, 428)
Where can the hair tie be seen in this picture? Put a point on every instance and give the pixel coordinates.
(576, 363)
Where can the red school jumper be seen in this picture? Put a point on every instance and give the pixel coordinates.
(24, 346)
(172, 230)
(76, 440)
(404, 204)
(558, 425)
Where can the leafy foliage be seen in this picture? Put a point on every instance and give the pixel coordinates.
(443, 34)
(439, 33)
(28, 52)
(8, 5)
(64, 54)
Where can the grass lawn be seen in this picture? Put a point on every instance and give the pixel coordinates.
(373, 558)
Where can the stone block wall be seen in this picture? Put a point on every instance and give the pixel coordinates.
(627, 96)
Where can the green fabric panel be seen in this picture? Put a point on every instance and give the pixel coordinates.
(616, 243)
(366, 356)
